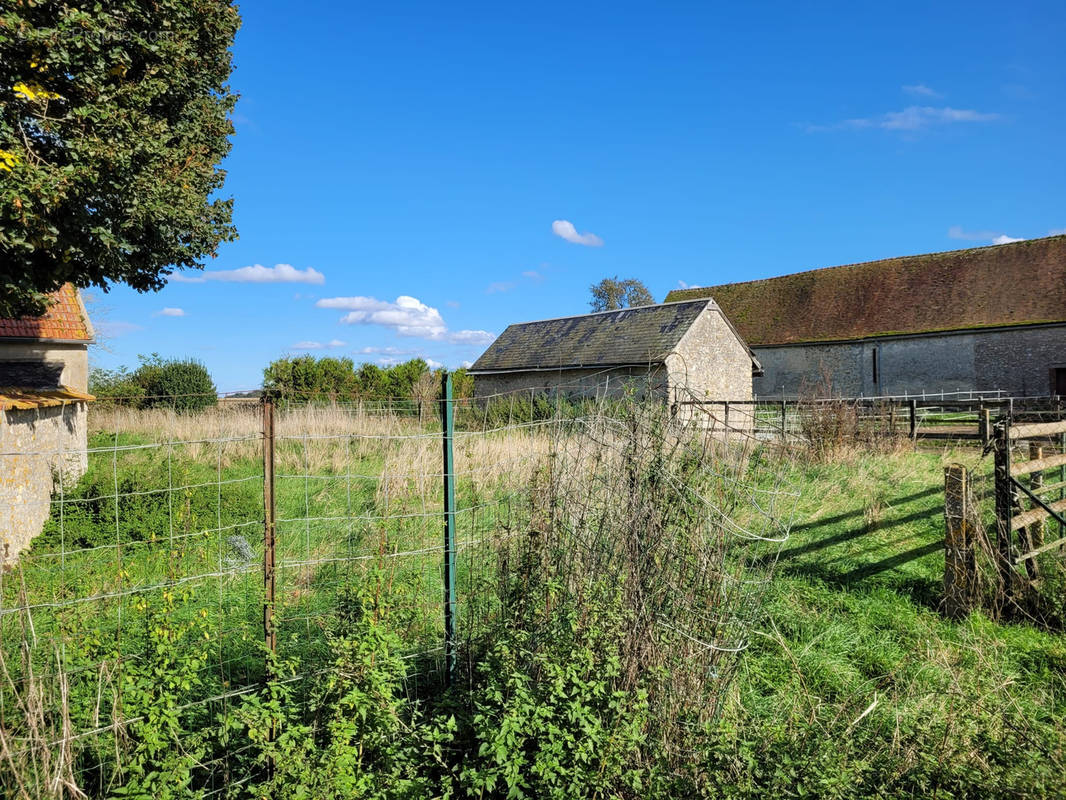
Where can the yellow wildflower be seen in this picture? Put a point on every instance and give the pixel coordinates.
(33, 91)
(8, 160)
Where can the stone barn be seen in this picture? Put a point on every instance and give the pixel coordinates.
(44, 376)
(677, 351)
(977, 320)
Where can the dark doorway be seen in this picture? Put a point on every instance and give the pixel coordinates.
(1058, 381)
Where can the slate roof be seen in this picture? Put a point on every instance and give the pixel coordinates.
(1020, 283)
(64, 320)
(630, 336)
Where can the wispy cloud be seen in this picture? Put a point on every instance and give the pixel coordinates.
(909, 120)
(170, 312)
(1057, 232)
(921, 90)
(471, 337)
(533, 275)
(388, 351)
(113, 329)
(256, 273)
(407, 316)
(565, 229)
(683, 285)
(312, 345)
(499, 287)
(995, 237)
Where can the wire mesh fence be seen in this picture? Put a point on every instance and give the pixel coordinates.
(153, 604)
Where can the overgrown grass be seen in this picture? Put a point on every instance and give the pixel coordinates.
(857, 687)
(853, 686)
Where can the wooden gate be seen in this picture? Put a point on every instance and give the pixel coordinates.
(1027, 495)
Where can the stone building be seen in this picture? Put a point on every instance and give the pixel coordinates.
(44, 376)
(676, 351)
(980, 320)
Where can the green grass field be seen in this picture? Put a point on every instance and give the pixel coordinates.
(857, 687)
(853, 684)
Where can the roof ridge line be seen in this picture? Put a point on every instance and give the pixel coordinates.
(617, 310)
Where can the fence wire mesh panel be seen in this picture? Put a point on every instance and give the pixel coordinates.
(134, 629)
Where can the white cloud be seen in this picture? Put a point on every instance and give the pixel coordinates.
(256, 273)
(389, 351)
(532, 275)
(566, 230)
(467, 364)
(683, 285)
(471, 337)
(995, 237)
(452, 303)
(407, 316)
(432, 364)
(312, 345)
(909, 120)
(499, 287)
(1057, 232)
(114, 329)
(922, 90)
(170, 312)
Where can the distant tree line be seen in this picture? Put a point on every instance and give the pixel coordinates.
(185, 384)
(327, 378)
(182, 384)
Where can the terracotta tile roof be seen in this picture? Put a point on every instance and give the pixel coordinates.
(641, 335)
(13, 398)
(65, 319)
(1011, 284)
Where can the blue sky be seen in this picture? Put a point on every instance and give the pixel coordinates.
(427, 173)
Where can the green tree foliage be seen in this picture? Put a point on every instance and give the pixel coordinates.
(611, 294)
(113, 122)
(183, 384)
(326, 378)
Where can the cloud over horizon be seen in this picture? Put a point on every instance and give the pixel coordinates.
(565, 229)
(256, 273)
(994, 237)
(909, 120)
(922, 90)
(312, 345)
(407, 316)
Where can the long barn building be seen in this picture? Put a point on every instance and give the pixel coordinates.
(983, 319)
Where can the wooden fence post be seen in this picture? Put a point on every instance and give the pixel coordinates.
(984, 426)
(960, 568)
(1004, 511)
(914, 419)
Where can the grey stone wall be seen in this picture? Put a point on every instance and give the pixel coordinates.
(1015, 360)
(38, 449)
(575, 382)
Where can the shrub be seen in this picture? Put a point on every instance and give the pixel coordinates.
(184, 385)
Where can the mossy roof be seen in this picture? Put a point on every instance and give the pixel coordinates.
(1020, 283)
(630, 336)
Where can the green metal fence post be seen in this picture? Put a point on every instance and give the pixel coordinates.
(447, 420)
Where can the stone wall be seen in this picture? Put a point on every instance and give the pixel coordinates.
(710, 361)
(39, 448)
(71, 360)
(575, 382)
(1016, 360)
